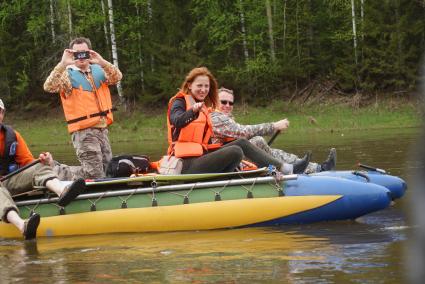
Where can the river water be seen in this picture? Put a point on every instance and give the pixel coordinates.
(368, 250)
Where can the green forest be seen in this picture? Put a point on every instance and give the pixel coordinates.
(260, 48)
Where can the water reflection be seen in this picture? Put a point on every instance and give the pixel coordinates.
(251, 254)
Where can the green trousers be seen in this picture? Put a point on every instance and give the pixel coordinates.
(25, 181)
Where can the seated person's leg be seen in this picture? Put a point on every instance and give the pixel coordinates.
(225, 159)
(9, 214)
(255, 154)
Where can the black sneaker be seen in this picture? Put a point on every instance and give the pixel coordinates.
(330, 163)
(71, 192)
(30, 227)
(301, 165)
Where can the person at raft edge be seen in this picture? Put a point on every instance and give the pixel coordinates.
(226, 129)
(190, 130)
(82, 78)
(14, 153)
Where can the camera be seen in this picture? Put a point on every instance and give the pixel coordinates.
(81, 55)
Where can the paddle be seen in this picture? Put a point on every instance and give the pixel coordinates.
(273, 137)
(371, 168)
(35, 162)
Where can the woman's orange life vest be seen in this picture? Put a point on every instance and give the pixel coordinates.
(194, 138)
(89, 100)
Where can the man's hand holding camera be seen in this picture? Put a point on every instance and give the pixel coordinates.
(71, 56)
(96, 58)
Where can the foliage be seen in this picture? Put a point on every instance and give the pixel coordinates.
(160, 41)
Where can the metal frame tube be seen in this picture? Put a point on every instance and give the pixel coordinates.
(175, 187)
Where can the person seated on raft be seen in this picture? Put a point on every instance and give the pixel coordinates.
(190, 130)
(14, 154)
(226, 129)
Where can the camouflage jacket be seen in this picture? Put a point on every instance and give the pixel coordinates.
(226, 127)
(59, 81)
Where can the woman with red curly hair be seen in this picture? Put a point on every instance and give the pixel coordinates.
(190, 131)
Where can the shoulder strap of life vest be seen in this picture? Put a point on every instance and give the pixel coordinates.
(10, 144)
(170, 127)
(80, 80)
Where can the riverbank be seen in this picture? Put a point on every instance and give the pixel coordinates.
(148, 125)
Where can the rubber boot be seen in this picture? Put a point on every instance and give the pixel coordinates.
(330, 163)
(301, 165)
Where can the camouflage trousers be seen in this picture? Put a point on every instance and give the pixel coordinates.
(281, 155)
(6, 203)
(93, 151)
(25, 181)
(65, 172)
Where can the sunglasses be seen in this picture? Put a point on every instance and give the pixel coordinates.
(224, 102)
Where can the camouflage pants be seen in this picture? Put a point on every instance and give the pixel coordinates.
(280, 154)
(65, 172)
(6, 203)
(93, 151)
(25, 181)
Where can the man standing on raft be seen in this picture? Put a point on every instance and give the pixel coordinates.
(82, 78)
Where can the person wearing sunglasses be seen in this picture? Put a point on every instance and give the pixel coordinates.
(190, 131)
(226, 129)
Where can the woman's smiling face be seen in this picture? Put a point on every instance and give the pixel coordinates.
(200, 87)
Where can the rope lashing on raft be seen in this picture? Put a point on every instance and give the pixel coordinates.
(93, 203)
(185, 195)
(124, 203)
(249, 193)
(154, 185)
(217, 194)
(124, 196)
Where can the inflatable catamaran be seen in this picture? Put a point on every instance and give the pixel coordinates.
(157, 203)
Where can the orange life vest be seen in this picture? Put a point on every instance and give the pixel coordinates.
(88, 101)
(194, 137)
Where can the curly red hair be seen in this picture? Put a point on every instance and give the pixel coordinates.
(212, 98)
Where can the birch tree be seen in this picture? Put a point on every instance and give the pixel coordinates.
(270, 26)
(114, 45)
(139, 37)
(70, 33)
(105, 26)
(298, 33)
(398, 35)
(362, 17)
(353, 17)
(243, 31)
(284, 27)
(52, 22)
(151, 31)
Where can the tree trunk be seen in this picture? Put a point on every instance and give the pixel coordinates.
(52, 22)
(139, 37)
(105, 27)
(70, 33)
(284, 28)
(242, 19)
(270, 25)
(362, 27)
(298, 36)
(353, 16)
(150, 33)
(362, 16)
(114, 46)
(310, 37)
(398, 37)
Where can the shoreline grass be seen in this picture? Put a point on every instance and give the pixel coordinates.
(150, 125)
